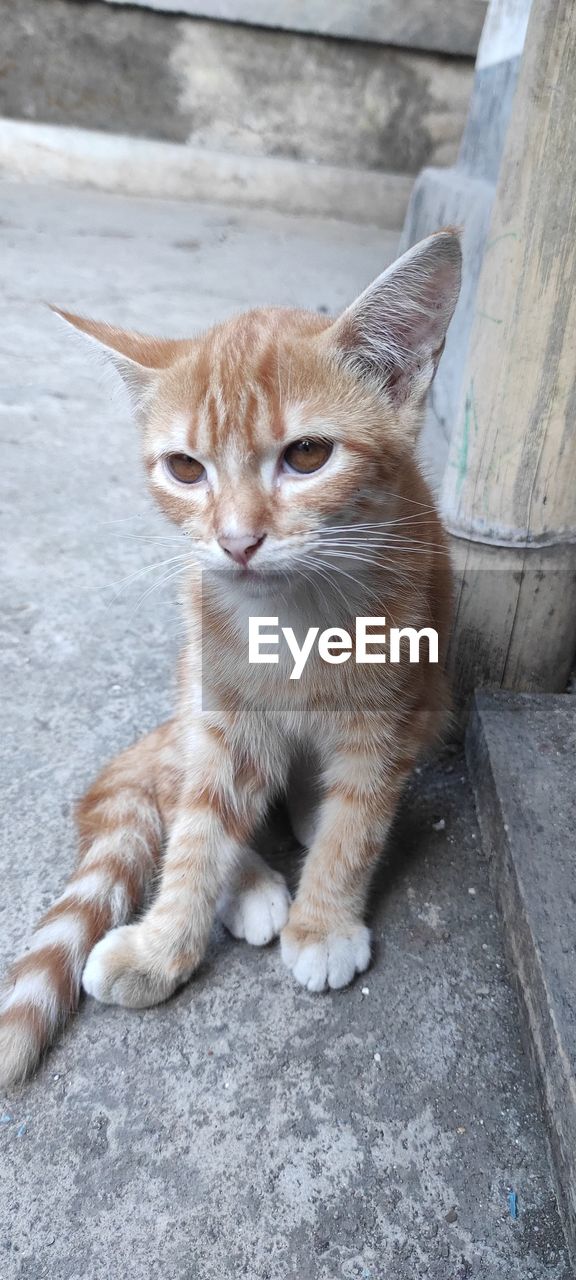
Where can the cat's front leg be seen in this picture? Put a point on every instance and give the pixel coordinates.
(141, 964)
(326, 942)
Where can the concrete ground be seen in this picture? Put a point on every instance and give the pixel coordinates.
(246, 1128)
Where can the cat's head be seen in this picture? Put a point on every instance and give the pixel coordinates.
(277, 424)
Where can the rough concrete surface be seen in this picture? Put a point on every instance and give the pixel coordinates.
(237, 89)
(522, 754)
(246, 1128)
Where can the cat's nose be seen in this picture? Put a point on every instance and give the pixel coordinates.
(242, 546)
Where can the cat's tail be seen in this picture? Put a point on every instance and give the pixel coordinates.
(120, 827)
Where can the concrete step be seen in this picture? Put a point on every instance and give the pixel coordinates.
(45, 153)
(227, 94)
(522, 756)
(445, 26)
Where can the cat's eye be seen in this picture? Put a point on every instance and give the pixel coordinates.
(184, 469)
(306, 456)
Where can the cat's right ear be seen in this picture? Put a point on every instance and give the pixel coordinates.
(135, 357)
(393, 335)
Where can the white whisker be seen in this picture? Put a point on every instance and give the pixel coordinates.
(167, 577)
(138, 573)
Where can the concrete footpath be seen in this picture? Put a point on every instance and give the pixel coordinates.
(246, 1128)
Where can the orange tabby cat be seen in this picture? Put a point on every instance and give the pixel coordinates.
(282, 445)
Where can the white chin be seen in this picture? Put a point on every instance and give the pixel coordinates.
(251, 583)
(260, 584)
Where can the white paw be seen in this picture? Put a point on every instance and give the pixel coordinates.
(332, 962)
(117, 971)
(256, 914)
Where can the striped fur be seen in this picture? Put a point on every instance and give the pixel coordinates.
(178, 810)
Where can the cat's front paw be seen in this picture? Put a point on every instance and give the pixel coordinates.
(119, 971)
(325, 961)
(258, 911)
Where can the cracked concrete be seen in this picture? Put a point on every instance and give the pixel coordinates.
(246, 1128)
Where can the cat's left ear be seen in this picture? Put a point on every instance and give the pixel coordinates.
(394, 334)
(136, 358)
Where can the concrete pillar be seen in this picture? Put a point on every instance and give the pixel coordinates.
(509, 492)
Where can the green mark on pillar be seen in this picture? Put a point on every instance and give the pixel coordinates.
(504, 235)
(470, 423)
(484, 316)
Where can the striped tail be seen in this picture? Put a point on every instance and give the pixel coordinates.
(120, 828)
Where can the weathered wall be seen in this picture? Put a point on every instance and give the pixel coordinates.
(230, 88)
